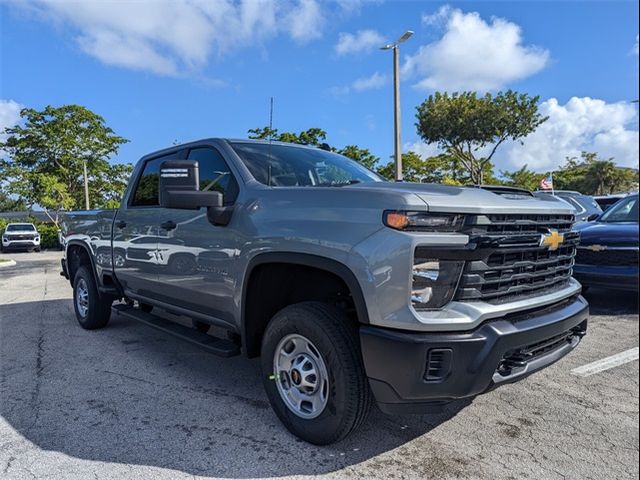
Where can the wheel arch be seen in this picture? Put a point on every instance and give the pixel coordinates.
(251, 337)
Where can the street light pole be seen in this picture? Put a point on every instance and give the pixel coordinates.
(86, 186)
(397, 145)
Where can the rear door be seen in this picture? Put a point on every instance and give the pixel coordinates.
(197, 258)
(135, 233)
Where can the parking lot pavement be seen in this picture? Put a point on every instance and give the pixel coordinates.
(130, 402)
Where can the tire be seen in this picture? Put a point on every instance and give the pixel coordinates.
(37, 249)
(92, 310)
(347, 400)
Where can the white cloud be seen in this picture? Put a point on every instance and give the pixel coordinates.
(171, 37)
(9, 113)
(635, 46)
(422, 149)
(609, 129)
(474, 54)
(305, 21)
(375, 81)
(354, 6)
(360, 42)
(439, 17)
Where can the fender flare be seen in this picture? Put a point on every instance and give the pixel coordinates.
(309, 260)
(87, 249)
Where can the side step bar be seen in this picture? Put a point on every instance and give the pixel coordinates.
(217, 346)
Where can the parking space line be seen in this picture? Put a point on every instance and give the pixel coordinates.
(606, 363)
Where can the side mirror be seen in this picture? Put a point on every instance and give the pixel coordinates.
(180, 187)
(592, 217)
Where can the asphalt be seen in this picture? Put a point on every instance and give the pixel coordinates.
(128, 402)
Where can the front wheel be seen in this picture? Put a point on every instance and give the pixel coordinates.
(313, 372)
(92, 310)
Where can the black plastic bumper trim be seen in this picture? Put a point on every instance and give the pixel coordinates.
(395, 360)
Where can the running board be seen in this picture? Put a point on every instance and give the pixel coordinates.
(217, 346)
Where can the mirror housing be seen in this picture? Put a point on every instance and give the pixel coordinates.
(180, 187)
(592, 217)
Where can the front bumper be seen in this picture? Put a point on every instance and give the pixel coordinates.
(619, 278)
(414, 372)
(20, 244)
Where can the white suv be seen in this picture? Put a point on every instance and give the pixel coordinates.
(21, 236)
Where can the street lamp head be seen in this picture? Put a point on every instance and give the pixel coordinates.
(405, 36)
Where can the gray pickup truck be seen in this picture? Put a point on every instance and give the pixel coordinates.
(349, 288)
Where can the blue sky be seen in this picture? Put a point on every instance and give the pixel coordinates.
(181, 70)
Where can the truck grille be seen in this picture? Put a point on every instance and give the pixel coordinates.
(520, 357)
(27, 236)
(610, 257)
(516, 266)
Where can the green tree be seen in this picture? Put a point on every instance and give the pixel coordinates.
(360, 155)
(464, 125)
(9, 204)
(522, 178)
(45, 157)
(316, 137)
(594, 176)
(311, 136)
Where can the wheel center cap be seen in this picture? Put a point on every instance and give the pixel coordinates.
(296, 377)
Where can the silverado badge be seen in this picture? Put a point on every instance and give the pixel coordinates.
(553, 240)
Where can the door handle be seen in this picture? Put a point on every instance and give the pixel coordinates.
(121, 224)
(169, 225)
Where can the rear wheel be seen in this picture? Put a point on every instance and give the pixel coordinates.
(313, 372)
(92, 309)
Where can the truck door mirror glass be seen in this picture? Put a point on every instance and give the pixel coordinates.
(180, 187)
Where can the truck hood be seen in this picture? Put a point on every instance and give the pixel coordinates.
(21, 232)
(443, 198)
(611, 234)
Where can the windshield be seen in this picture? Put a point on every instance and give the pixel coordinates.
(624, 211)
(582, 203)
(291, 166)
(20, 227)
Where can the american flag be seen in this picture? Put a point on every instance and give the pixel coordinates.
(547, 183)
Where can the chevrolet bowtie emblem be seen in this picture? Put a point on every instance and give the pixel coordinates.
(597, 248)
(552, 240)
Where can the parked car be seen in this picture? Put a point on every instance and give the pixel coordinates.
(606, 201)
(608, 251)
(349, 288)
(586, 208)
(20, 236)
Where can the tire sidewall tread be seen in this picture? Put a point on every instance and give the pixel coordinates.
(99, 306)
(333, 333)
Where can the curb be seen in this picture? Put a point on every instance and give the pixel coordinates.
(10, 263)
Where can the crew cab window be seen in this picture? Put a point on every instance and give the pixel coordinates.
(146, 193)
(215, 174)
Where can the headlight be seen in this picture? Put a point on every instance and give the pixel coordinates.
(5, 239)
(422, 221)
(434, 280)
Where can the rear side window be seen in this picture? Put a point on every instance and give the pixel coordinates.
(146, 193)
(215, 174)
